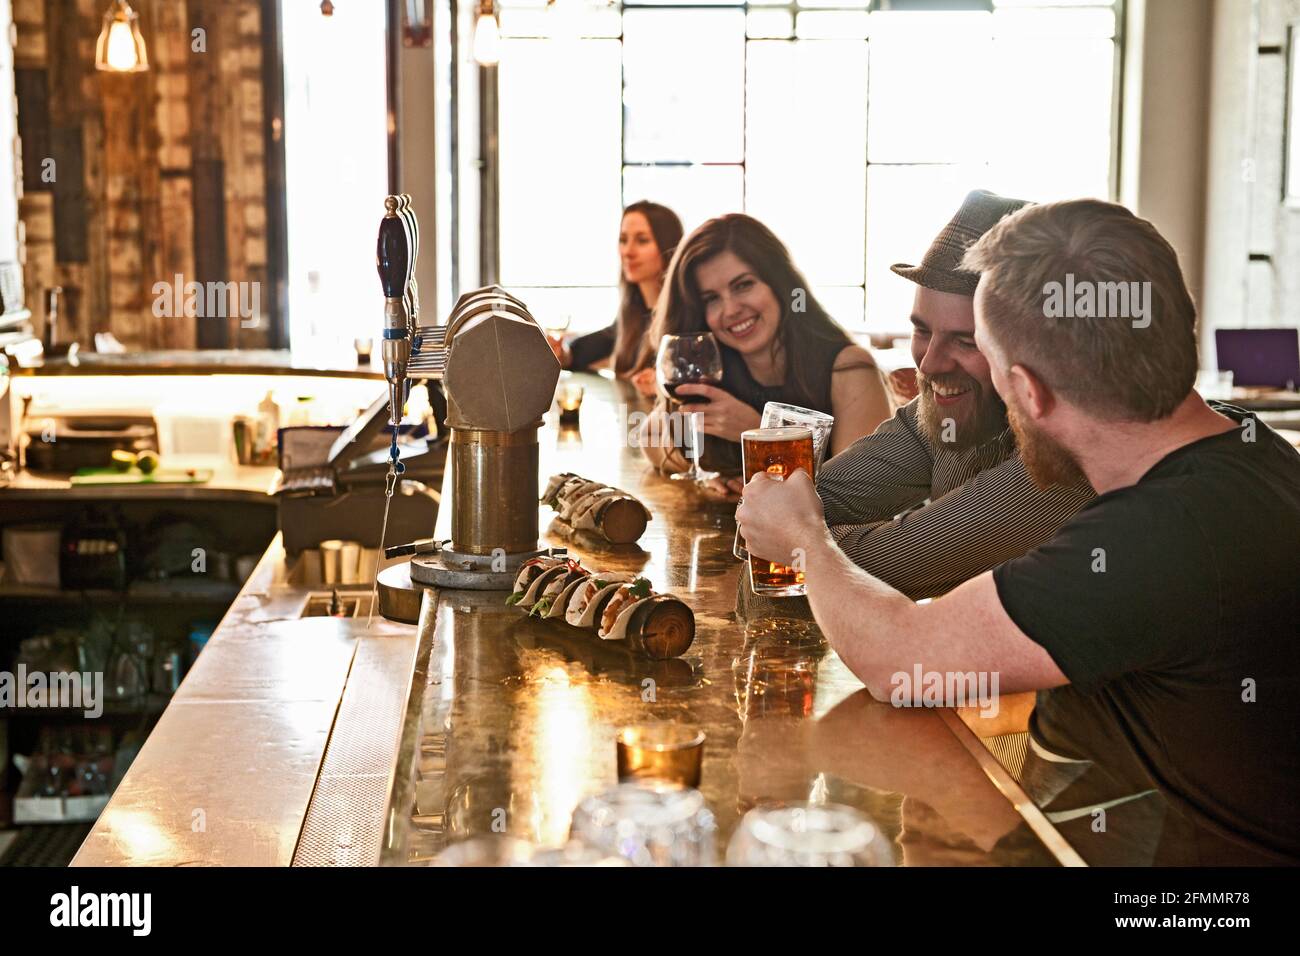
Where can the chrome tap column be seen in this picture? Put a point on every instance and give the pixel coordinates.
(499, 374)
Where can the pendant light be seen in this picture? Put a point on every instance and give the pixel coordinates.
(487, 36)
(120, 48)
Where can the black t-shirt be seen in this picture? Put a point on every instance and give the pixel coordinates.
(1196, 611)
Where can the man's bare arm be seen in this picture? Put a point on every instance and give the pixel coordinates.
(879, 632)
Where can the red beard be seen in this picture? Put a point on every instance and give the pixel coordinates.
(1047, 461)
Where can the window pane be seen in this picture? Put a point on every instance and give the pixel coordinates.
(907, 206)
(832, 25)
(695, 193)
(678, 3)
(806, 140)
(588, 308)
(928, 76)
(1051, 3)
(769, 24)
(332, 281)
(1072, 23)
(843, 303)
(561, 21)
(1051, 139)
(685, 75)
(559, 139)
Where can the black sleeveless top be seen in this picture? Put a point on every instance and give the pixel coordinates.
(724, 456)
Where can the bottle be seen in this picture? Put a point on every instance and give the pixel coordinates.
(268, 430)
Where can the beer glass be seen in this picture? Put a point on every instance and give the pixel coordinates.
(776, 414)
(778, 452)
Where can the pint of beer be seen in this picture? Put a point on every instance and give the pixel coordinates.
(777, 451)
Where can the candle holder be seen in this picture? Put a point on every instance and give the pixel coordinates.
(569, 401)
(661, 753)
(364, 346)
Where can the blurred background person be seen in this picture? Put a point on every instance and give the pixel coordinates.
(647, 237)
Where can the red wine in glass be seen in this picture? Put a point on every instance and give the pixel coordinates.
(689, 360)
(695, 399)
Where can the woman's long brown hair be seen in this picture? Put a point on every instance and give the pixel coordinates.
(633, 312)
(803, 337)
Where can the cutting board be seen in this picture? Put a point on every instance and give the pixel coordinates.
(163, 476)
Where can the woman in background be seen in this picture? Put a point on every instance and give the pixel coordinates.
(733, 277)
(647, 237)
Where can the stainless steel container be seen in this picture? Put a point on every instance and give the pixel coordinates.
(494, 490)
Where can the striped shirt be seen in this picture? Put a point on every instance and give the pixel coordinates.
(977, 507)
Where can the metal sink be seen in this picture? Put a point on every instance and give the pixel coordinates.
(340, 602)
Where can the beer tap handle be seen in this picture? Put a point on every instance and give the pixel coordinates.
(393, 259)
(393, 253)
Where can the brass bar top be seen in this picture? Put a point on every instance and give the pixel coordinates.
(315, 741)
(516, 717)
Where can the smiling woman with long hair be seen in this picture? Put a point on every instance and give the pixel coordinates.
(647, 237)
(733, 277)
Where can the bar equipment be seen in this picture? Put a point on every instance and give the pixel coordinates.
(499, 375)
(779, 452)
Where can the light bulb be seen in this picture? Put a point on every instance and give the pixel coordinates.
(487, 40)
(120, 47)
(121, 53)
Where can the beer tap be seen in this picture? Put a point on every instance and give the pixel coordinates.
(396, 263)
(395, 258)
(499, 375)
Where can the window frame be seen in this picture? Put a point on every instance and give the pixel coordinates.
(488, 105)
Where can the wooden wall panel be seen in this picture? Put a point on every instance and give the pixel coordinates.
(159, 173)
(71, 213)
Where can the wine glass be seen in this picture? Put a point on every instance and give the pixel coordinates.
(555, 326)
(689, 360)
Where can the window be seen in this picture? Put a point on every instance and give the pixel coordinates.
(334, 91)
(853, 132)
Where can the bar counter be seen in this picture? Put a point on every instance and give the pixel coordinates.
(319, 742)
